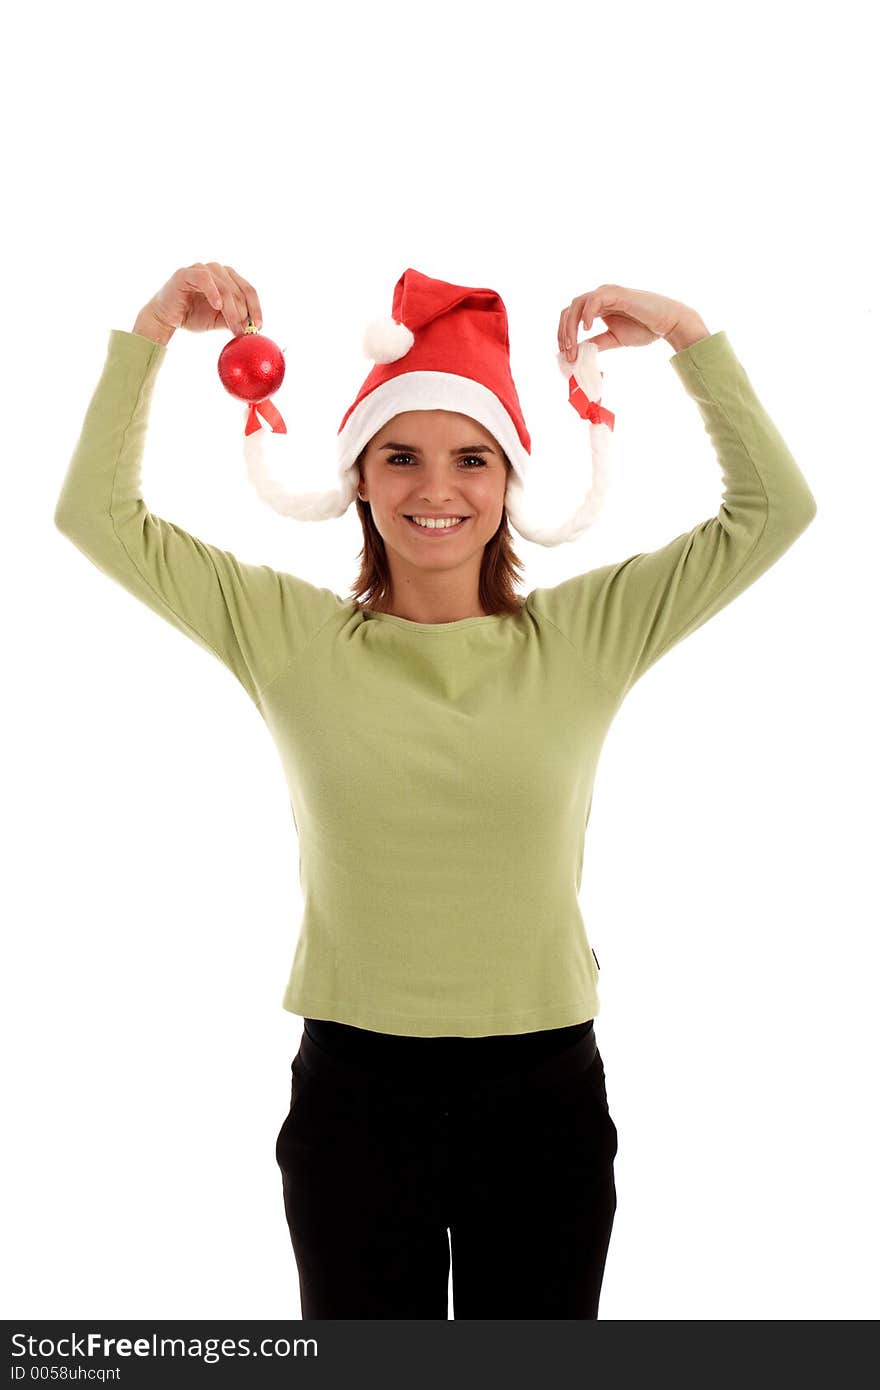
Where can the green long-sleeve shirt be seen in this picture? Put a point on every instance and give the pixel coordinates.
(440, 775)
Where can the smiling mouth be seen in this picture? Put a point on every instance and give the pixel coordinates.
(436, 530)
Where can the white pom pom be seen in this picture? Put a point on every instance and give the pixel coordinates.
(385, 340)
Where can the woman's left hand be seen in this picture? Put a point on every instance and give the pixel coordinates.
(632, 317)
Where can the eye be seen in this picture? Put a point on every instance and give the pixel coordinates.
(466, 458)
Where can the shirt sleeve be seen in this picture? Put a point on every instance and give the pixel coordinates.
(621, 618)
(254, 619)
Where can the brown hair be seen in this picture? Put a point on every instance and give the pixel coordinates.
(498, 570)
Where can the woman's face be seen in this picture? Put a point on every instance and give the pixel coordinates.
(435, 462)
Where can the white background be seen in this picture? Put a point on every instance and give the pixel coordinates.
(720, 157)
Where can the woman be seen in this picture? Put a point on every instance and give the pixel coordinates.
(440, 743)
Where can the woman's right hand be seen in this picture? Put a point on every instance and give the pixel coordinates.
(203, 296)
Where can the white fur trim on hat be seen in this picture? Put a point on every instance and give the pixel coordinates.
(428, 391)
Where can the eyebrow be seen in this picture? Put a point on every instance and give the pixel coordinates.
(469, 449)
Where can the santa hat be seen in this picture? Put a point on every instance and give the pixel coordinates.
(445, 347)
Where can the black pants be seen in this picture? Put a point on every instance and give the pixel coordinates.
(395, 1147)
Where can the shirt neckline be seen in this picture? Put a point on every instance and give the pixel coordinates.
(411, 626)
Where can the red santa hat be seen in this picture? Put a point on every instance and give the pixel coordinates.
(445, 347)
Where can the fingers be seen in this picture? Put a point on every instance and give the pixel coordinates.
(202, 279)
(569, 322)
(234, 306)
(215, 286)
(586, 307)
(251, 298)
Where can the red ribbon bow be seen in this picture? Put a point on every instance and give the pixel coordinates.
(269, 413)
(587, 409)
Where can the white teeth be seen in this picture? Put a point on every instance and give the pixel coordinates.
(431, 523)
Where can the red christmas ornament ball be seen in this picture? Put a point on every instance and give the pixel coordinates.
(251, 366)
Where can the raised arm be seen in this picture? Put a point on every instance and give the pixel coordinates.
(623, 617)
(254, 619)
